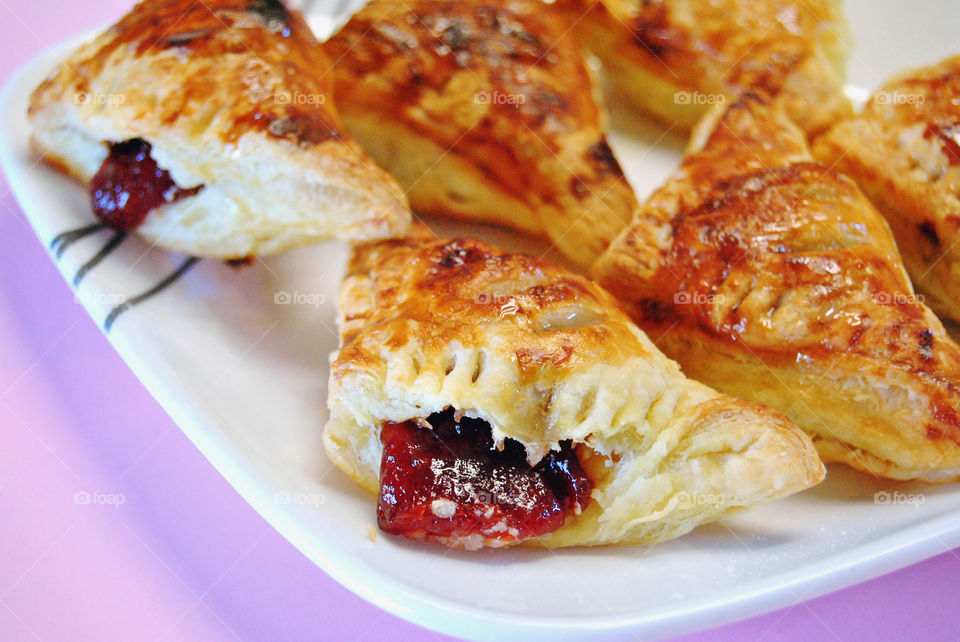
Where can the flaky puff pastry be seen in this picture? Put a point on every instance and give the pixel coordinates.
(545, 356)
(770, 277)
(484, 111)
(233, 96)
(677, 58)
(903, 151)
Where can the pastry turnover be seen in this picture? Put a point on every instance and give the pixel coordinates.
(493, 399)
(209, 127)
(770, 277)
(903, 150)
(484, 111)
(676, 58)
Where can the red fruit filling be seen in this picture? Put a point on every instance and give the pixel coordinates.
(447, 481)
(129, 185)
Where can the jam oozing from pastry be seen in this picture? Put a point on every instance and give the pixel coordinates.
(129, 185)
(450, 482)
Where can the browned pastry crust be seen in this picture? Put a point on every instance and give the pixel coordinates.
(233, 95)
(676, 58)
(772, 278)
(543, 355)
(484, 111)
(903, 150)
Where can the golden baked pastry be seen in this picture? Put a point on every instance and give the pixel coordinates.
(770, 277)
(493, 399)
(903, 151)
(677, 58)
(209, 127)
(484, 111)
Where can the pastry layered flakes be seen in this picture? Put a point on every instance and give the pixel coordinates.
(770, 277)
(484, 111)
(209, 127)
(491, 399)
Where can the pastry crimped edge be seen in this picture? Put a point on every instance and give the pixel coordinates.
(262, 193)
(685, 455)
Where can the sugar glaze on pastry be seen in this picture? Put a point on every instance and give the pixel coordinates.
(772, 278)
(491, 399)
(903, 151)
(484, 111)
(209, 127)
(675, 59)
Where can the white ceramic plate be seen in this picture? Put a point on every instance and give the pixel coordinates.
(245, 379)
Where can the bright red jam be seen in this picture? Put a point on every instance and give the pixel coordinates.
(450, 482)
(130, 185)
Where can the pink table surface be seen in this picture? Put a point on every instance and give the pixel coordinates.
(184, 557)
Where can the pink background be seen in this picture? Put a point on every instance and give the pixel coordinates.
(184, 557)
